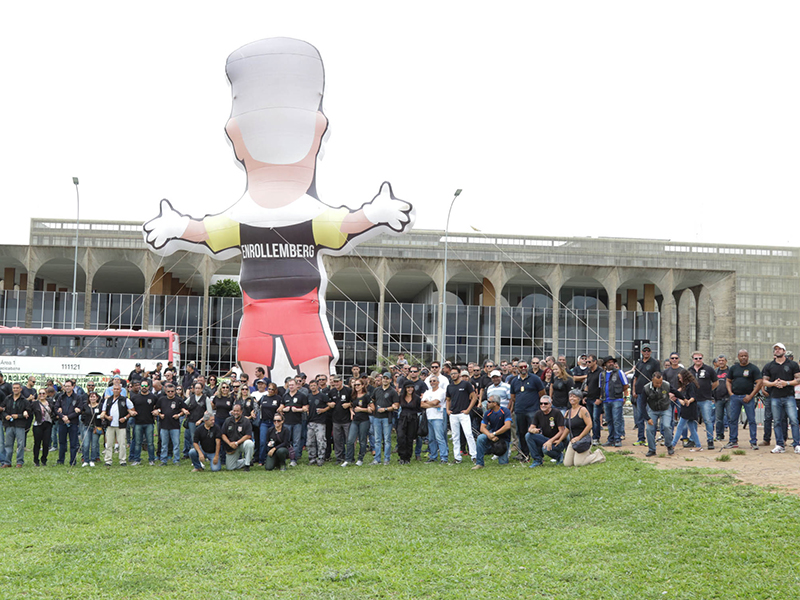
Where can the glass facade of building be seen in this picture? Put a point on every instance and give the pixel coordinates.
(525, 331)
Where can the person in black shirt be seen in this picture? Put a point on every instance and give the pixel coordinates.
(170, 408)
(643, 374)
(206, 444)
(68, 407)
(547, 434)
(145, 412)
(721, 398)
(706, 382)
(197, 404)
(410, 407)
(93, 424)
(223, 403)
(277, 445)
(592, 400)
(780, 376)
(319, 405)
(44, 415)
(341, 397)
(743, 382)
(268, 405)
(359, 428)
(237, 435)
(15, 415)
(687, 399)
(385, 402)
(295, 404)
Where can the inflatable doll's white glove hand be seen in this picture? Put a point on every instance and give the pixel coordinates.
(385, 209)
(168, 225)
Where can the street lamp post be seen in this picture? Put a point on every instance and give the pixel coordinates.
(443, 290)
(75, 267)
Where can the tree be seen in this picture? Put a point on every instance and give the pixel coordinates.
(227, 288)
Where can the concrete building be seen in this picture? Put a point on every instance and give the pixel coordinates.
(506, 295)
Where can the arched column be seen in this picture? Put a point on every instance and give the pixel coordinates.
(723, 296)
(207, 269)
(683, 302)
(382, 281)
(555, 280)
(703, 299)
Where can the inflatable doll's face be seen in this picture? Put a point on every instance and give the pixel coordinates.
(275, 184)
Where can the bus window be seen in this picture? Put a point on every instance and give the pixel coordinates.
(157, 349)
(8, 344)
(93, 347)
(32, 345)
(65, 345)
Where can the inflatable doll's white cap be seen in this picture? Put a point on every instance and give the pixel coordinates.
(277, 87)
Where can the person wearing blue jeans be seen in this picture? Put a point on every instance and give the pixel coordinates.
(170, 409)
(144, 432)
(643, 374)
(547, 434)
(706, 384)
(743, 382)
(779, 377)
(736, 404)
(206, 445)
(659, 412)
(433, 401)
(613, 387)
(495, 427)
(706, 408)
(385, 404)
(784, 409)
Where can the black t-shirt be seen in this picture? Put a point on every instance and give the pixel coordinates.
(236, 430)
(362, 402)
(207, 438)
(339, 397)
(144, 405)
(561, 388)
(722, 389)
(548, 423)
(743, 378)
(671, 375)
(297, 401)
(384, 399)
(269, 406)
(196, 407)
(459, 394)
(412, 407)
(315, 403)
(420, 387)
(222, 407)
(593, 385)
(579, 371)
(169, 408)
(785, 371)
(644, 373)
(690, 412)
(705, 376)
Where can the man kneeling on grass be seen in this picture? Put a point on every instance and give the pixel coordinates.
(495, 434)
(207, 440)
(237, 434)
(547, 434)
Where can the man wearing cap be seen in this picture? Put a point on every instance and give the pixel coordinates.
(385, 403)
(706, 384)
(643, 374)
(144, 412)
(115, 378)
(461, 398)
(495, 436)
(779, 377)
(434, 401)
(319, 405)
(69, 407)
(546, 434)
(136, 374)
(501, 389)
(744, 380)
(613, 387)
(526, 389)
(170, 409)
(207, 441)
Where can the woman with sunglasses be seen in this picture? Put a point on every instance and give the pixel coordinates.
(277, 445)
(361, 409)
(44, 415)
(579, 427)
(212, 384)
(248, 403)
(410, 407)
(222, 403)
(268, 405)
(90, 418)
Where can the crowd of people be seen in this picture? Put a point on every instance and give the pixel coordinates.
(528, 410)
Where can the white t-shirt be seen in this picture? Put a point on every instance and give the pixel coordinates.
(430, 396)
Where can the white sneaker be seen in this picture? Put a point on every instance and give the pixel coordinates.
(797, 449)
(344, 464)
(293, 463)
(361, 462)
(85, 464)
(91, 464)
(778, 450)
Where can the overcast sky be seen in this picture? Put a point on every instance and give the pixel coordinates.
(628, 119)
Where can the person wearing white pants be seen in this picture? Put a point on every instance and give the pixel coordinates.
(461, 399)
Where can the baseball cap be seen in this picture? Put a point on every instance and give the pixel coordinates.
(779, 345)
(465, 372)
(495, 373)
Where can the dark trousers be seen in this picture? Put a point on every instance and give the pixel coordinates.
(70, 430)
(406, 434)
(524, 420)
(278, 459)
(41, 439)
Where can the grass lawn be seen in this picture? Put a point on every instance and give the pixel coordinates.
(617, 530)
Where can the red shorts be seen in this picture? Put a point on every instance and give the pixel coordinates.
(295, 320)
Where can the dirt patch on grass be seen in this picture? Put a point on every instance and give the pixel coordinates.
(758, 467)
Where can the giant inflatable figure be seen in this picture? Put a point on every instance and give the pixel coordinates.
(279, 225)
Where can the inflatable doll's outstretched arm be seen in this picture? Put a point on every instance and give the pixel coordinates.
(384, 209)
(216, 232)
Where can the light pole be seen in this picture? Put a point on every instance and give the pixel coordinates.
(443, 290)
(75, 267)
